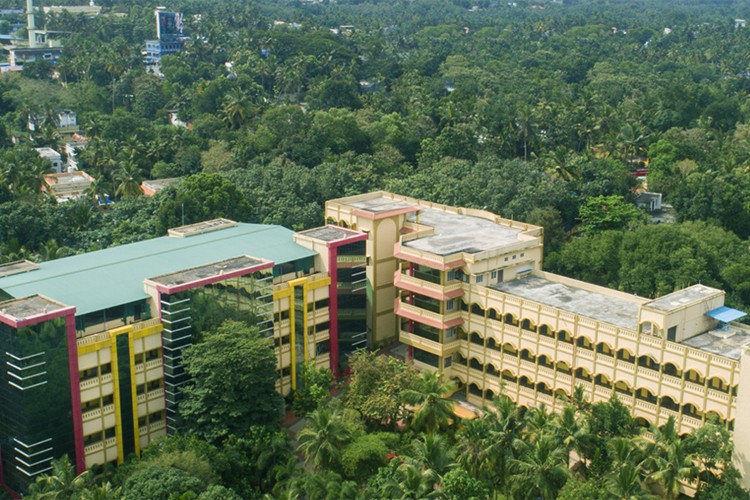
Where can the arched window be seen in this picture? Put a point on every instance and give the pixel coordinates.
(562, 367)
(671, 369)
(584, 343)
(583, 374)
(603, 381)
(604, 348)
(528, 355)
(492, 344)
(509, 319)
(669, 403)
(690, 410)
(510, 349)
(625, 355)
(647, 361)
(492, 313)
(718, 384)
(642, 422)
(477, 309)
(544, 388)
(648, 328)
(509, 376)
(476, 339)
(524, 381)
(491, 370)
(544, 360)
(715, 417)
(562, 394)
(545, 330)
(645, 395)
(527, 324)
(564, 336)
(694, 377)
(459, 359)
(623, 388)
(475, 390)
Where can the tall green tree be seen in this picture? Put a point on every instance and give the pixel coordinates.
(323, 439)
(233, 383)
(433, 410)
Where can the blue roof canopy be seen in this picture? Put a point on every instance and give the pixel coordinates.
(726, 314)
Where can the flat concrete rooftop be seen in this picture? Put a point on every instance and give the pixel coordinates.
(28, 307)
(382, 204)
(18, 266)
(207, 271)
(728, 343)
(460, 233)
(327, 233)
(157, 184)
(598, 306)
(680, 298)
(72, 179)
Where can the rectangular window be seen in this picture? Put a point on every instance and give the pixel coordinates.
(672, 333)
(480, 278)
(450, 305)
(494, 274)
(323, 347)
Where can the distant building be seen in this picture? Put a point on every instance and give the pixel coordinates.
(68, 185)
(151, 187)
(90, 10)
(18, 56)
(39, 46)
(53, 157)
(649, 202)
(72, 148)
(740, 23)
(174, 119)
(169, 37)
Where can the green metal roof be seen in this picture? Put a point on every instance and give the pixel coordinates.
(114, 276)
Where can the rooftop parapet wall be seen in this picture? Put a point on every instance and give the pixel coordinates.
(345, 206)
(31, 310)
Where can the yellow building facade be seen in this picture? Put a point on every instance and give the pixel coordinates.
(465, 291)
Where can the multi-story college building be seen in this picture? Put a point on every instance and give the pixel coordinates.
(92, 344)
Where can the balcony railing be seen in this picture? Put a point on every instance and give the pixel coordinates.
(428, 345)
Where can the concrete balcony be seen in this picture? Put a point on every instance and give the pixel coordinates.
(435, 320)
(428, 345)
(96, 381)
(426, 288)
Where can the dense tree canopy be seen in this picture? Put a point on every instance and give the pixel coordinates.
(233, 383)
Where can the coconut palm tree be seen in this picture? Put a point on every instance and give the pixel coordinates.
(61, 482)
(626, 483)
(541, 468)
(670, 468)
(236, 107)
(323, 438)
(432, 451)
(434, 411)
(129, 177)
(411, 482)
(572, 431)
